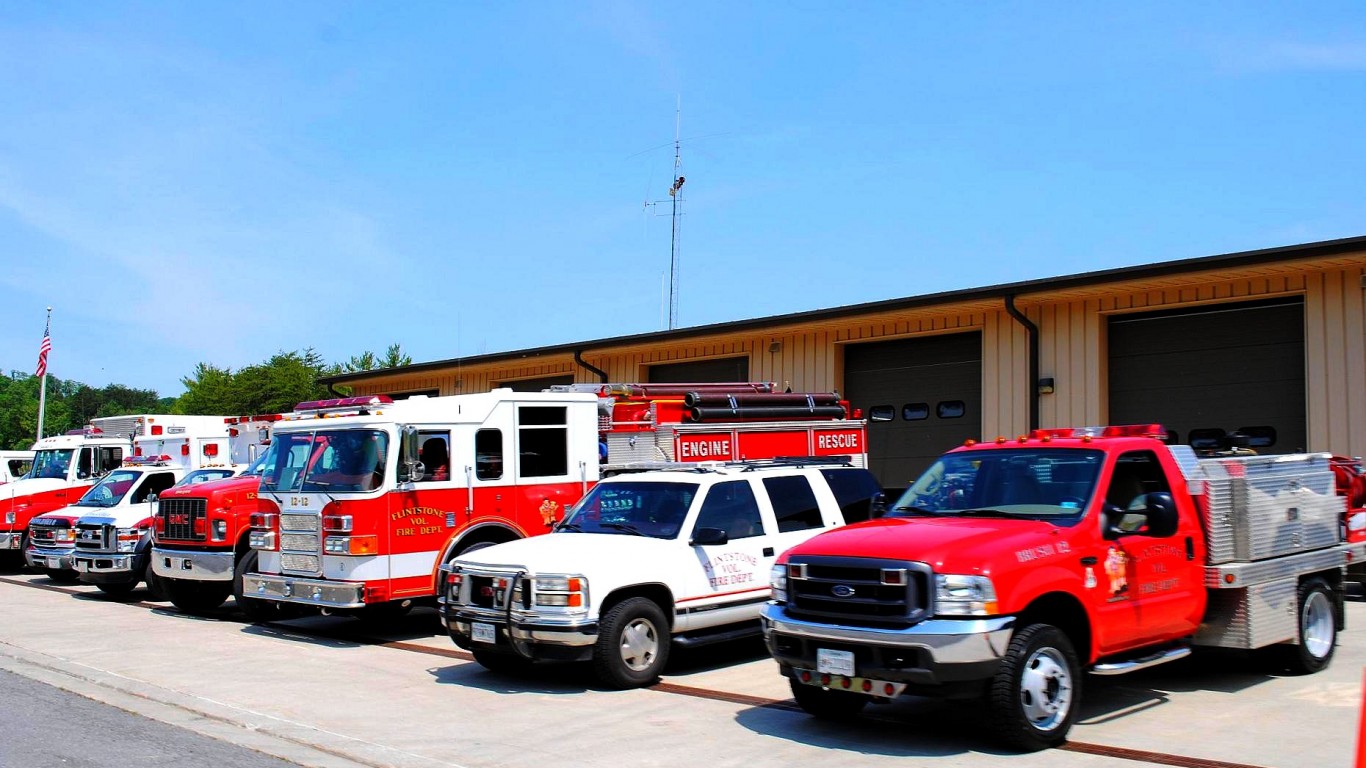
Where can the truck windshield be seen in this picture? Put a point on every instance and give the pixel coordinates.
(1035, 483)
(110, 490)
(51, 464)
(327, 461)
(656, 510)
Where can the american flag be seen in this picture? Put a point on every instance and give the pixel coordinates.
(43, 349)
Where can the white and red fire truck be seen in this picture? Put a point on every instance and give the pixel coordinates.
(363, 499)
(113, 540)
(103, 448)
(63, 468)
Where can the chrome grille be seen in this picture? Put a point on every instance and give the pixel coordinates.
(307, 523)
(850, 590)
(294, 562)
(306, 542)
(178, 518)
(95, 538)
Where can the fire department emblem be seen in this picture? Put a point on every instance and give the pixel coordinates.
(548, 511)
(1116, 567)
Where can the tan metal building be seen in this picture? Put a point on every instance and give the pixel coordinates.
(1269, 344)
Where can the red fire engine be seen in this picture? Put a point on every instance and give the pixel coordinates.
(363, 499)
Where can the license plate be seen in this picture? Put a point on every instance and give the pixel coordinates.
(54, 562)
(835, 662)
(482, 633)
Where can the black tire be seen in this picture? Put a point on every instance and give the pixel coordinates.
(1034, 697)
(156, 586)
(503, 663)
(197, 597)
(633, 644)
(119, 589)
(62, 576)
(827, 704)
(255, 609)
(1316, 630)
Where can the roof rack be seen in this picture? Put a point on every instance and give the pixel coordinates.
(795, 461)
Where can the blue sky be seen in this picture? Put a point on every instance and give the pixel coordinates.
(215, 182)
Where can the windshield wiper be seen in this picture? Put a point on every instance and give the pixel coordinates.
(563, 526)
(916, 509)
(626, 527)
(984, 512)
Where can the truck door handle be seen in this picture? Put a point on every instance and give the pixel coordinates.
(1089, 561)
(768, 551)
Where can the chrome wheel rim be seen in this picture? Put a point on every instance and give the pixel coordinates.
(639, 645)
(1046, 689)
(1317, 620)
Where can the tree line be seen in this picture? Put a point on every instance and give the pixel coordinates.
(274, 385)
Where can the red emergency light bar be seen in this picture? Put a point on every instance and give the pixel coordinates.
(147, 460)
(364, 401)
(248, 419)
(1126, 430)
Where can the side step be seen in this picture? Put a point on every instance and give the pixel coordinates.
(1125, 666)
(707, 637)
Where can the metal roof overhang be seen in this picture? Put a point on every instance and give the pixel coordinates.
(1265, 262)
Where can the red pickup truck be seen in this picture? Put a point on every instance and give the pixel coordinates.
(1011, 568)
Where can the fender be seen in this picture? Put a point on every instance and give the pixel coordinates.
(456, 542)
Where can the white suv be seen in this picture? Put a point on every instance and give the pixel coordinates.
(644, 561)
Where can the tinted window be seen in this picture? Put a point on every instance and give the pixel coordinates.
(732, 508)
(951, 409)
(488, 454)
(915, 411)
(435, 454)
(543, 441)
(855, 490)
(794, 503)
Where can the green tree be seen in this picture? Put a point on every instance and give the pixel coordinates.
(369, 361)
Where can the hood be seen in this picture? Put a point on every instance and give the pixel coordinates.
(122, 516)
(218, 488)
(68, 515)
(966, 545)
(575, 552)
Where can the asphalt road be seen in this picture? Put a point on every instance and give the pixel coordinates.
(47, 727)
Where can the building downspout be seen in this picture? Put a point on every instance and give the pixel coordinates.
(578, 358)
(1033, 331)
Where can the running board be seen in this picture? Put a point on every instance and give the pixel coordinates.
(705, 637)
(1142, 662)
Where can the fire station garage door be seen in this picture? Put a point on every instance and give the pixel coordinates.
(931, 390)
(1204, 370)
(725, 369)
(536, 385)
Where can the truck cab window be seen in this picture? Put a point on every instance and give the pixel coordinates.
(1136, 473)
(731, 507)
(794, 503)
(435, 455)
(84, 463)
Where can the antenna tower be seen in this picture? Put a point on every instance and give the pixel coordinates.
(675, 195)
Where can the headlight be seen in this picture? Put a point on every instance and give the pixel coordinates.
(220, 530)
(9, 517)
(777, 579)
(959, 595)
(128, 539)
(560, 591)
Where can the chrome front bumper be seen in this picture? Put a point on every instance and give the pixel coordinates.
(90, 562)
(52, 558)
(946, 649)
(193, 565)
(289, 589)
(533, 629)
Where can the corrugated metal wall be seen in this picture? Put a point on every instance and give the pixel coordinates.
(1073, 349)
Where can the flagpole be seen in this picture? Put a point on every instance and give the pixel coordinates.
(42, 387)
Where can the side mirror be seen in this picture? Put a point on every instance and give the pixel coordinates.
(410, 470)
(704, 537)
(877, 506)
(1162, 517)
